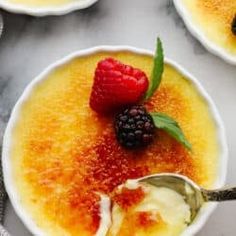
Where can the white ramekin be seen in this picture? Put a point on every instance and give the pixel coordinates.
(200, 35)
(7, 140)
(45, 11)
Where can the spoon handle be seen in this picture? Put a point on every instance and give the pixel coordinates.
(219, 195)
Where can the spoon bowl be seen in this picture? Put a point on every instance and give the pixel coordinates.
(194, 195)
(184, 186)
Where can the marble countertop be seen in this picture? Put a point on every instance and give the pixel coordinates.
(29, 44)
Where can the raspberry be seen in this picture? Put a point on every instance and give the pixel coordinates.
(116, 85)
(134, 127)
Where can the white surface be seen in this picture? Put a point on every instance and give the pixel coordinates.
(6, 164)
(30, 44)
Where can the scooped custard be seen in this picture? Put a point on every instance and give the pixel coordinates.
(41, 3)
(215, 19)
(65, 156)
(148, 209)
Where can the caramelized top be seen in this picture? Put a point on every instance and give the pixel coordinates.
(215, 17)
(63, 153)
(128, 198)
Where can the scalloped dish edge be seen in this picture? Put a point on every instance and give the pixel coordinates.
(198, 34)
(9, 183)
(45, 11)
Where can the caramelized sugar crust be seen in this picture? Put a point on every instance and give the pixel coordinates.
(63, 153)
(215, 17)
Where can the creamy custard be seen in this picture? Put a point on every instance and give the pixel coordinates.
(148, 210)
(214, 18)
(42, 3)
(65, 156)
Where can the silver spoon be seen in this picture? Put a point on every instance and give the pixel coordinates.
(193, 194)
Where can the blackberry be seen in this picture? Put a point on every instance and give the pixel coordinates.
(233, 26)
(134, 127)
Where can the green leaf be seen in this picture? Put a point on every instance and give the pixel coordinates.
(163, 121)
(157, 71)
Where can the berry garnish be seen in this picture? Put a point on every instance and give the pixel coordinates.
(233, 25)
(134, 127)
(116, 85)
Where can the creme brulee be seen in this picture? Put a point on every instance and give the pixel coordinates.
(42, 3)
(214, 18)
(65, 156)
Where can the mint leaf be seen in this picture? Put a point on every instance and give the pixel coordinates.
(163, 121)
(157, 71)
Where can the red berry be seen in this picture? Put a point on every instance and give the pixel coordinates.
(116, 85)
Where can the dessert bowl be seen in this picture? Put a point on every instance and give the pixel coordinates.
(44, 10)
(211, 25)
(10, 147)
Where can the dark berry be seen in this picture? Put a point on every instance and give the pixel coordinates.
(134, 127)
(233, 26)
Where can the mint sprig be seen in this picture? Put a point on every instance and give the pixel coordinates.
(163, 121)
(157, 71)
